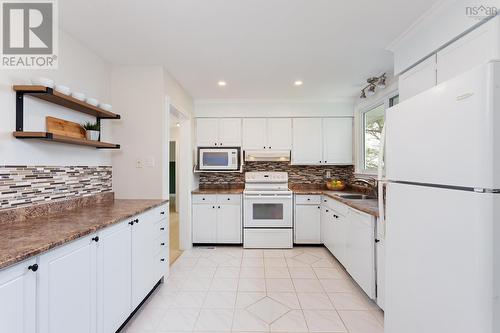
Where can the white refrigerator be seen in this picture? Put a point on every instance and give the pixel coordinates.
(442, 170)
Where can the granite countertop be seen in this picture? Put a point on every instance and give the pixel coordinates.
(25, 238)
(369, 206)
(218, 190)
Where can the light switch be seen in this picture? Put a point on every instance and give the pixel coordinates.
(150, 162)
(138, 163)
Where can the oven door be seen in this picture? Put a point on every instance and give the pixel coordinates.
(268, 210)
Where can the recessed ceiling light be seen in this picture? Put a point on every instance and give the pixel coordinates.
(178, 125)
(298, 83)
(222, 83)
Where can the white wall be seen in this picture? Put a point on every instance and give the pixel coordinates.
(442, 23)
(138, 93)
(235, 108)
(81, 70)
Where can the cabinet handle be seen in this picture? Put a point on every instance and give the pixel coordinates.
(203, 199)
(136, 220)
(308, 199)
(162, 244)
(162, 213)
(264, 147)
(220, 144)
(216, 143)
(95, 239)
(33, 267)
(324, 200)
(228, 199)
(269, 147)
(377, 240)
(218, 207)
(131, 223)
(319, 207)
(327, 210)
(213, 207)
(319, 161)
(326, 161)
(162, 259)
(162, 228)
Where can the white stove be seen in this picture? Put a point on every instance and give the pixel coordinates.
(267, 211)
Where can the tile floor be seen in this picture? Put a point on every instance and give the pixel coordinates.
(229, 289)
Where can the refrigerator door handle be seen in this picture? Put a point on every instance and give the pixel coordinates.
(381, 177)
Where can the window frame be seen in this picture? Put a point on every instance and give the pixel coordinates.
(385, 101)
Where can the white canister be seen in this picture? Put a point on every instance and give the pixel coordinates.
(92, 135)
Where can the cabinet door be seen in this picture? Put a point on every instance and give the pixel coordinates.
(143, 258)
(207, 132)
(307, 141)
(326, 227)
(230, 132)
(67, 288)
(229, 228)
(204, 223)
(380, 250)
(464, 54)
(279, 133)
(307, 224)
(360, 254)
(114, 280)
(418, 79)
(18, 298)
(339, 231)
(254, 134)
(337, 141)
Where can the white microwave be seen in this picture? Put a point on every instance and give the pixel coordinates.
(219, 158)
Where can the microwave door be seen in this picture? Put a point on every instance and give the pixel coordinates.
(215, 160)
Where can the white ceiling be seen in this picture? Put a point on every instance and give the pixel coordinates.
(258, 46)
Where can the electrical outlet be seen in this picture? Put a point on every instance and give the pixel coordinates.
(328, 174)
(138, 163)
(150, 162)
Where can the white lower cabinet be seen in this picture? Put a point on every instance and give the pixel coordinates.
(217, 219)
(350, 236)
(114, 281)
(18, 298)
(90, 285)
(67, 294)
(380, 249)
(307, 219)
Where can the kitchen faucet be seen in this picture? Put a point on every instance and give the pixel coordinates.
(370, 182)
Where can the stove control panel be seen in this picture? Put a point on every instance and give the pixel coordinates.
(266, 177)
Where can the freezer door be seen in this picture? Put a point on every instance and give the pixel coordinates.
(440, 261)
(446, 134)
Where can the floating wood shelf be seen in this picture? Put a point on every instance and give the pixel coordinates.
(50, 95)
(51, 137)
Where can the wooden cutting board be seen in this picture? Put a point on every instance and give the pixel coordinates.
(64, 127)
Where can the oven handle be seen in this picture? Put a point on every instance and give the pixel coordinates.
(268, 196)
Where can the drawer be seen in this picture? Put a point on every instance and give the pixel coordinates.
(307, 199)
(229, 199)
(201, 199)
(335, 205)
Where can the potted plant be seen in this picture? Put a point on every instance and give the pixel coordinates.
(91, 130)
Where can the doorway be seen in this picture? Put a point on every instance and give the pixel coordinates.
(175, 251)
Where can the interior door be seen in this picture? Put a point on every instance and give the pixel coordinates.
(254, 133)
(307, 141)
(279, 133)
(114, 280)
(337, 140)
(67, 288)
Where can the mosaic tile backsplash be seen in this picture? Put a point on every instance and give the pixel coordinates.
(28, 185)
(297, 174)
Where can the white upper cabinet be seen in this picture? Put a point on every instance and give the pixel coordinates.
(418, 79)
(307, 141)
(279, 133)
(18, 298)
(337, 143)
(475, 48)
(218, 132)
(230, 132)
(254, 133)
(319, 141)
(271, 133)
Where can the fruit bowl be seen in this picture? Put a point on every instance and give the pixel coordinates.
(335, 185)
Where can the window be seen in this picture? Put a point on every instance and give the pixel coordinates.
(373, 122)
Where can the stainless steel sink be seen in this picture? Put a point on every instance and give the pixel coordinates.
(355, 196)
